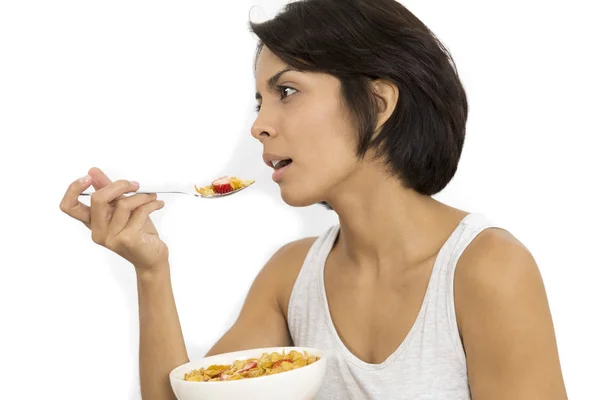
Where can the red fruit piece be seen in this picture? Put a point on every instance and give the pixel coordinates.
(278, 363)
(249, 366)
(222, 185)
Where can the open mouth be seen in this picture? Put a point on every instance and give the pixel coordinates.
(282, 163)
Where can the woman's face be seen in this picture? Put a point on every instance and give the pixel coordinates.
(302, 117)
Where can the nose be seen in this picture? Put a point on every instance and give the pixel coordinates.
(262, 128)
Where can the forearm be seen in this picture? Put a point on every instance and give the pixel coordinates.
(162, 347)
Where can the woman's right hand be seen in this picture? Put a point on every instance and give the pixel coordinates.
(120, 223)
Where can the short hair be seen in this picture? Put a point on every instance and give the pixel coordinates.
(361, 40)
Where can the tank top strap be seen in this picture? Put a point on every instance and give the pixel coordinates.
(441, 296)
(305, 295)
(470, 227)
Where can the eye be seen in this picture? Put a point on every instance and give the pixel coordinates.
(286, 91)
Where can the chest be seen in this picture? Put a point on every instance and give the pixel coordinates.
(372, 314)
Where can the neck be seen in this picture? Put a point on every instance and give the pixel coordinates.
(385, 225)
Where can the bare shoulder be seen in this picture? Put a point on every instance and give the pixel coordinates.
(283, 268)
(504, 321)
(495, 267)
(495, 258)
(293, 251)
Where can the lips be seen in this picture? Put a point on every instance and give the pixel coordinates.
(281, 171)
(282, 163)
(276, 161)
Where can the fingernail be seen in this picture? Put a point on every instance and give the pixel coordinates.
(134, 183)
(85, 179)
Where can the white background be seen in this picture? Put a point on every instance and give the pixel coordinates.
(163, 92)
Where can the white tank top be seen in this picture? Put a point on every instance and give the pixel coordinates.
(429, 364)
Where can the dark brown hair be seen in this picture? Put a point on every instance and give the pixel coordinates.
(361, 40)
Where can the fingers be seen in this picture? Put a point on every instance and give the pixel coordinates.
(141, 214)
(101, 210)
(124, 208)
(70, 203)
(99, 178)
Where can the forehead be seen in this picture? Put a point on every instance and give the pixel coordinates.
(269, 68)
(267, 65)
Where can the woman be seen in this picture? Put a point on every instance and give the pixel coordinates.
(359, 108)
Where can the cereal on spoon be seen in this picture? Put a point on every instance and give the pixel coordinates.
(223, 185)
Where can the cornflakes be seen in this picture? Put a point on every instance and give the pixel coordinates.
(267, 364)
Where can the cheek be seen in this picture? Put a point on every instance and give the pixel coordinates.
(327, 153)
(325, 159)
(321, 132)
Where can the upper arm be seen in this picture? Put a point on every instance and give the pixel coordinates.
(262, 320)
(505, 322)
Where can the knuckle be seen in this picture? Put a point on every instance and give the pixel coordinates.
(97, 237)
(135, 213)
(122, 206)
(127, 239)
(96, 198)
(140, 203)
(148, 204)
(111, 243)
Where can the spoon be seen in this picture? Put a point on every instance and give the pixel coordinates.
(191, 192)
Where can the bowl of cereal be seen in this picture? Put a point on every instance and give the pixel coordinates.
(291, 373)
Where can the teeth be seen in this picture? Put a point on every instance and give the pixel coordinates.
(275, 162)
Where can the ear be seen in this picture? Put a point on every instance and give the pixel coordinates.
(387, 95)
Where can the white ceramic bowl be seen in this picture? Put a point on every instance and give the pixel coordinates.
(298, 384)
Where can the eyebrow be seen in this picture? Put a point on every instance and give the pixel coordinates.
(272, 82)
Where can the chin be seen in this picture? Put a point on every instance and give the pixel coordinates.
(298, 198)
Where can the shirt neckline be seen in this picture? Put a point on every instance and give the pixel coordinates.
(348, 355)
